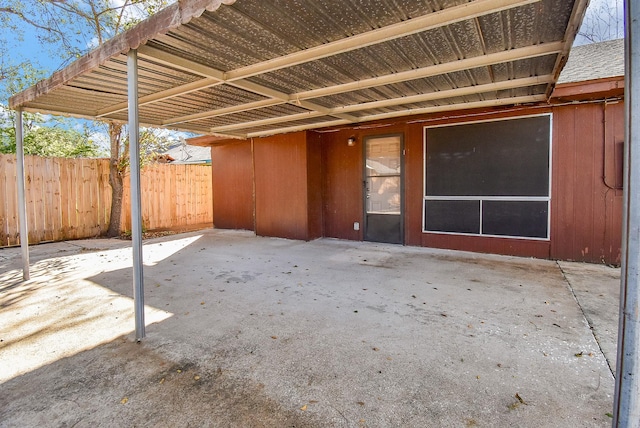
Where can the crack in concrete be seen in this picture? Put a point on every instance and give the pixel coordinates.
(586, 318)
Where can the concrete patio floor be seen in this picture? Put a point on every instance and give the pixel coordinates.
(244, 331)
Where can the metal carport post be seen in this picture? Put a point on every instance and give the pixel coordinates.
(22, 203)
(626, 410)
(136, 204)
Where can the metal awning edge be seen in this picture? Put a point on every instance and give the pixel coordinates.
(173, 16)
(573, 27)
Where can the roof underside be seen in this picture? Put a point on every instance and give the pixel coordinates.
(261, 67)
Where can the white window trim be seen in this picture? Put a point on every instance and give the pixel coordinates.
(482, 198)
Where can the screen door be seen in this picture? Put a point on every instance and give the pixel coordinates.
(383, 189)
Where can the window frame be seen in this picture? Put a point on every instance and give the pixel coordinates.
(482, 198)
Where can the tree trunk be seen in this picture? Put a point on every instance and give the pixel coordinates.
(115, 179)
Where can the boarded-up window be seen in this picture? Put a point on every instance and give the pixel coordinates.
(489, 178)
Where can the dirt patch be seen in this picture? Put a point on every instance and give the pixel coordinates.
(125, 384)
(148, 235)
(515, 267)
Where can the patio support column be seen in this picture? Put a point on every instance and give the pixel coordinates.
(136, 204)
(626, 411)
(22, 203)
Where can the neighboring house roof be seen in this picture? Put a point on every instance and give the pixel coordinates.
(184, 153)
(249, 68)
(594, 61)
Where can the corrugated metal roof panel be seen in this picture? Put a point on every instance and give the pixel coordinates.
(256, 66)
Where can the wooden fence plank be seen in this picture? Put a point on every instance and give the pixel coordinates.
(14, 236)
(76, 199)
(31, 194)
(105, 195)
(47, 193)
(65, 199)
(94, 181)
(9, 212)
(71, 198)
(4, 195)
(56, 201)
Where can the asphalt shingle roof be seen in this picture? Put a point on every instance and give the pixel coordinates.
(184, 153)
(594, 61)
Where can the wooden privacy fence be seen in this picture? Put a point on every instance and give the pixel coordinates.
(71, 198)
(173, 196)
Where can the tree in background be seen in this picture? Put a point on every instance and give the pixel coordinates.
(152, 142)
(604, 20)
(69, 28)
(43, 136)
(47, 141)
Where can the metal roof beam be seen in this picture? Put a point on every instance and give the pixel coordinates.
(461, 106)
(408, 112)
(223, 111)
(263, 90)
(178, 62)
(434, 70)
(162, 95)
(270, 121)
(298, 128)
(431, 96)
(411, 26)
(480, 61)
(48, 109)
(450, 93)
(214, 76)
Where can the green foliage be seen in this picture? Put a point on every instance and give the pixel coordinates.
(68, 28)
(59, 140)
(153, 142)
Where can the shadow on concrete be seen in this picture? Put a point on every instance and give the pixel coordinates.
(269, 332)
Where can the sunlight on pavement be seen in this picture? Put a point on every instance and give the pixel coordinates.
(61, 311)
(154, 253)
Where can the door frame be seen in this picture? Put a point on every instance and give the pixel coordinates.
(363, 177)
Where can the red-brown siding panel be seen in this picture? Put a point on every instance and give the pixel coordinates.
(479, 244)
(587, 210)
(309, 184)
(414, 184)
(343, 200)
(562, 189)
(314, 191)
(281, 186)
(232, 186)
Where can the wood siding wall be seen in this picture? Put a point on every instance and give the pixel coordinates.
(233, 186)
(315, 225)
(586, 209)
(343, 199)
(71, 198)
(285, 166)
(586, 193)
